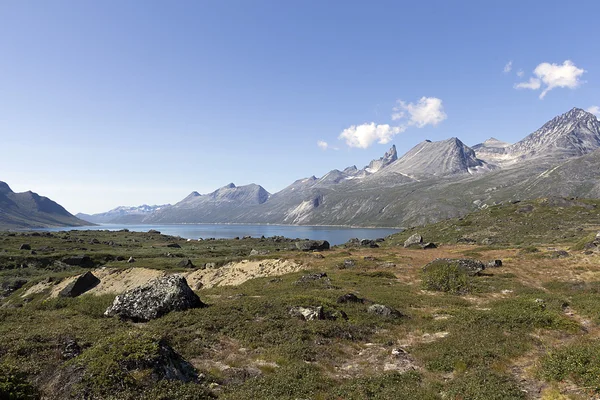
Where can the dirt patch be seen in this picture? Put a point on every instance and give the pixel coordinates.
(115, 280)
(236, 273)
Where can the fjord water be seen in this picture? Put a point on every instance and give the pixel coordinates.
(334, 235)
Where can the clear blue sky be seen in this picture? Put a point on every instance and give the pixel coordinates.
(107, 103)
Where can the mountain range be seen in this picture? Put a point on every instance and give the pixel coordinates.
(30, 210)
(432, 181)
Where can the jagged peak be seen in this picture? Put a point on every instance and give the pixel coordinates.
(230, 186)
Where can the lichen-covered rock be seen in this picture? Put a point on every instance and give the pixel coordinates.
(467, 265)
(82, 284)
(155, 299)
(316, 313)
(415, 239)
(307, 313)
(384, 311)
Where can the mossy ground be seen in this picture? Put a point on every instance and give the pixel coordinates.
(525, 330)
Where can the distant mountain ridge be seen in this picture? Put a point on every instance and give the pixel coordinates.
(122, 214)
(432, 181)
(30, 210)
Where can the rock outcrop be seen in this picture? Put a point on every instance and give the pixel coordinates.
(82, 284)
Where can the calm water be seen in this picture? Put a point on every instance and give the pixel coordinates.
(334, 235)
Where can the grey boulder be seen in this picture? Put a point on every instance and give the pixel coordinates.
(415, 239)
(384, 311)
(308, 245)
(158, 297)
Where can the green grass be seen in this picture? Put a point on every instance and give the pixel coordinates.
(578, 362)
(574, 222)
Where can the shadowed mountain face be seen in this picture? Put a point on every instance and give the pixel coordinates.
(29, 210)
(432, 181)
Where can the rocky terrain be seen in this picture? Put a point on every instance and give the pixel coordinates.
(499, 304)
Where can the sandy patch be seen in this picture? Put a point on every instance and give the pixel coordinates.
(236, 273)
(115, 280)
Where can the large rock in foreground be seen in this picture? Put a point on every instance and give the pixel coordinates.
(158, 297)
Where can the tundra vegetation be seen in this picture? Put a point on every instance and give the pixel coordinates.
(351, 322)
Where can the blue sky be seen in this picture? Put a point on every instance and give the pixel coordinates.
(107, 103)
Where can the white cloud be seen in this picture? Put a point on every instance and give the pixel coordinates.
(363, 136)
(533, 84)
(322, 144)
(520, 73)
(553, 76)
(508, 67)
(594, 110)
(427, 111)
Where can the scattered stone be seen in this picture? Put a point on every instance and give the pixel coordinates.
(415, 239)
(186, 263)
(154, 231)
(79, 261)
(158, 297)
(348, 263)
(211, 265)
(307, 313)
(368, 243)
(33, 252)
(69, 349)
(94, 241)
(466, 240)
(309, 245)
(541, 303)
(315, 313)
(174, 245)
(6, 288)
(369, 258)
(25, 246)
(254, 252)
(494, 264)
(350, 298)
(131, 260)
(470, 266)
(82, 284)
(384, 311)
(429, 245)
(316, 255)
(120, 258)
(558, 254)
(525, 209)
(386, 264)
(487, 241)
(379, 240)
(319, 276)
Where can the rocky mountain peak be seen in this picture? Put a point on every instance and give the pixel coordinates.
(389, 157)
(572, 134)
(436, 159)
